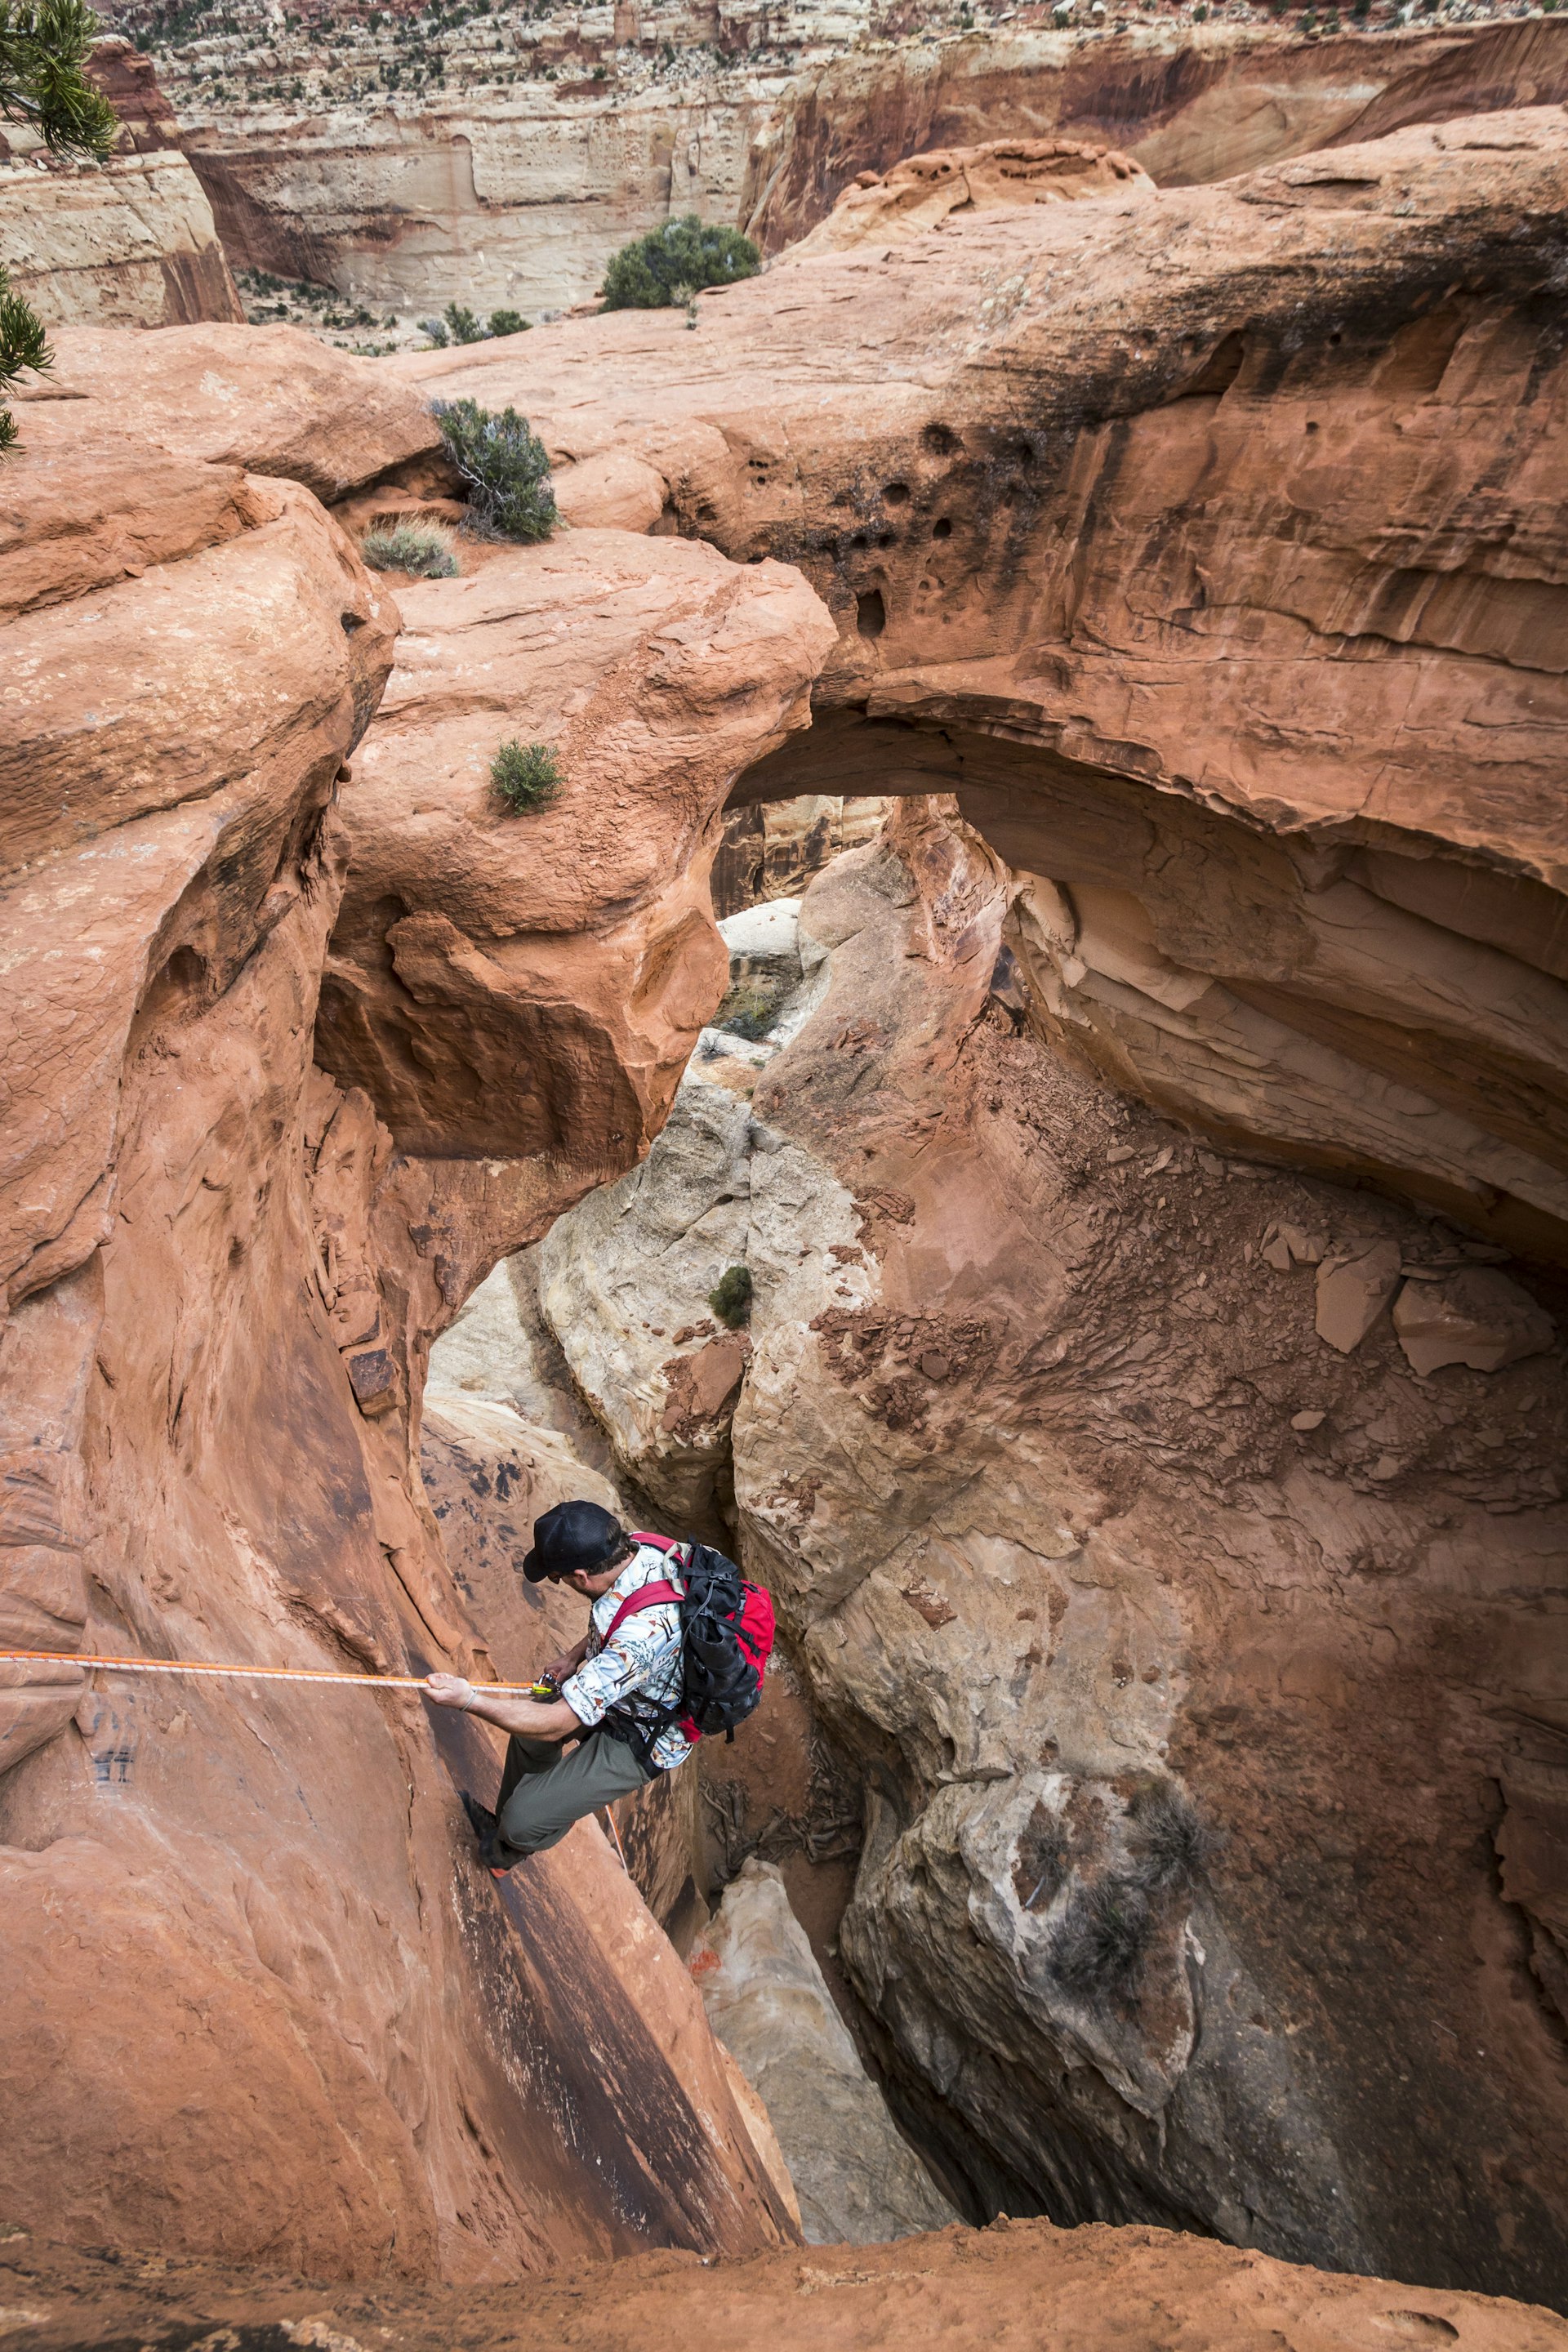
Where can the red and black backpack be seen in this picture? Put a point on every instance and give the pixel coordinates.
(726, 1639)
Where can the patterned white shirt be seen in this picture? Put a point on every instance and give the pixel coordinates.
(644, 1657)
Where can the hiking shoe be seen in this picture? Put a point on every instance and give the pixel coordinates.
(483, 1823)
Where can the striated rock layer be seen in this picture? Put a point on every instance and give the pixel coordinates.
(1189, 104)
(130, 243)
(318, 2034)
(1209, 549)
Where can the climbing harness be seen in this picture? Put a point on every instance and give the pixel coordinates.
(244, 1674)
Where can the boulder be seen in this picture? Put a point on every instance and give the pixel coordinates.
(921, 192)
(271, 399)
(856, 2180)
(1476, 1317)
(1353, 1289)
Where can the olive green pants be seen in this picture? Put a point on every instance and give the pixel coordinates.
(542, 1792)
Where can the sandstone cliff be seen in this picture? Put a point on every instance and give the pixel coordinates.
(1208, 548)
(317, 2033)
(1166, 1534)
(1189, 102)
(130, 242)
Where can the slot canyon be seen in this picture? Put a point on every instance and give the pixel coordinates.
(1015, 1082)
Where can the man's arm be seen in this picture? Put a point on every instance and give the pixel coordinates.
(530, 1719)
(569, 1661)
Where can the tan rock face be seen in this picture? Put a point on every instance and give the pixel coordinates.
(922, 191)
(130, 243)
(1161, 534)
(1128, 1597)
(223, 1275)
(1188, 104)
(772, 849)
(859, 2183)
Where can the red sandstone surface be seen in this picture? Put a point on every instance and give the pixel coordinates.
(1210, 549)
(1020, 2285)
(317, 2032)
(1202, 554)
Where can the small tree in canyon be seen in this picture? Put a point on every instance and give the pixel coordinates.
(666, 269)
(43, 48)
(506, 467)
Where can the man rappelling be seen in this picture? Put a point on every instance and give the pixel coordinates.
(677, 1646)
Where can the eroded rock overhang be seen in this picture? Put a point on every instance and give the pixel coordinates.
(1210, 551)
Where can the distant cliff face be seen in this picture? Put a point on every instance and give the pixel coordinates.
(497, 155)
(1187, 102)
(130, 243)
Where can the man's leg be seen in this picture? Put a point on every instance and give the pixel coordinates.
(543, 1800)
(523, 1757)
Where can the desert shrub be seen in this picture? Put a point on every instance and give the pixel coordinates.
(505, 466)
(422, 548)
(43, 48)
(462, 324)
(507, 322)
(1171, 1844)
(525, 775)
(731, 1297)
(437, 332)
(1099, 1947)
(22, 346)
(664, 269)
(748, 1010)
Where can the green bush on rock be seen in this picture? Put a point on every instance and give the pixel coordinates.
(664, 269)
(525, 775)
(423, 548)
(506, 467)
(731, 1297)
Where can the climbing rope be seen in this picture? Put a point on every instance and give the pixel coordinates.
(275, 1675)
(620, 1849)
(244, 1674)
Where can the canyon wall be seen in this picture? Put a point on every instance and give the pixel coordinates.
(1189, 102)
(1160, 1480)
(1066, 475)
(261, 2000)
(128, 243)
(500, 156)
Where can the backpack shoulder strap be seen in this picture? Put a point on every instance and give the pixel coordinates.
(651, 1596)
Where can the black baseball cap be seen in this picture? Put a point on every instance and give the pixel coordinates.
(572, 1536)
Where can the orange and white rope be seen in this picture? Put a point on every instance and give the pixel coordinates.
(244, 1674)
